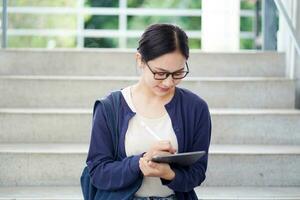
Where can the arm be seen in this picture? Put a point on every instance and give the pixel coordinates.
(107, 174)
(187, 178)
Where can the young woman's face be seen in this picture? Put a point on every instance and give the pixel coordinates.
(167, 63)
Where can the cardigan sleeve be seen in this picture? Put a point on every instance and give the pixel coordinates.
(107, 174)
(187, 178)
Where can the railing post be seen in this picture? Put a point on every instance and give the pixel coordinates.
(4, 24)
(80, 24)
(297, 55)
(220, 25)
(269, 25)
(122, 23)
(256, 26)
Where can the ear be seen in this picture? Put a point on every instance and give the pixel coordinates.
(139, 60)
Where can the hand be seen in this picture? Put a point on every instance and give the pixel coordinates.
(159, 148)
(152, 169)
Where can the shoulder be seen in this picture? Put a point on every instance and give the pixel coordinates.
(112, 95)
(109, 101)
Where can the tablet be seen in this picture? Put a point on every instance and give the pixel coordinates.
(184, 159)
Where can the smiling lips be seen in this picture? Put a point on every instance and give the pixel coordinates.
(163, 89)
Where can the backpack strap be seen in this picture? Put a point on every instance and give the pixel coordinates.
(111, 111)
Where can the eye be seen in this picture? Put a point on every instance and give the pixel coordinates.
(178, 73)
(161, 73)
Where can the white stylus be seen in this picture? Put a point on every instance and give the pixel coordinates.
(150, 131)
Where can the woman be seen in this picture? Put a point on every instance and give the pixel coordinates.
(155, 117)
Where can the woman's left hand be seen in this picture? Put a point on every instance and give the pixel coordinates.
(153, 169)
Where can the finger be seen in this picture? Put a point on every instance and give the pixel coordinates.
(141, 163)
(142, 160)
(143, 167)
(146, 169)
(165, 145)
(152, 164)
(147, 156)
(145, 163)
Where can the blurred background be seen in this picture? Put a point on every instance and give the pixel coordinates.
(116, 24)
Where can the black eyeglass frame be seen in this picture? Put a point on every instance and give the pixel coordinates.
(168, 73)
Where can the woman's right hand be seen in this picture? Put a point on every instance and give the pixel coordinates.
(159, 148)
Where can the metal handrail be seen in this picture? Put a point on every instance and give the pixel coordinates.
(110, 11)
(4, 24)
(288, 21)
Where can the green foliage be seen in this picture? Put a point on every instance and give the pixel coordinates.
(132, 43)
(246, 43)
(246, 24)
(141, 22)
(186, 4)
(43, 3)
(250, 4)
(40, 42)
(41, 21)
(101, 42)
(101, 22)
(102, 3)
(247, 5)
(195, 43)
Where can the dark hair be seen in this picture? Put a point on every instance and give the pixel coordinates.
(160, 39)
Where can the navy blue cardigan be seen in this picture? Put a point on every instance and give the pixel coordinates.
(192, 125)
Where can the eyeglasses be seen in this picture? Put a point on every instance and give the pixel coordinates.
(164, 75)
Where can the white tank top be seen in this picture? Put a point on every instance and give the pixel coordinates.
(139, 140)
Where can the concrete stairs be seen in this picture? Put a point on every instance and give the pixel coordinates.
(46, 107)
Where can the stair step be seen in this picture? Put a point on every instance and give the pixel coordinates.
(239, 165)
(204, 193)
(41, 193)
(103, 62)
(247, 193)
(268, 126)
(226, 149)
(44, 148)
(81, 148)
(81, 92)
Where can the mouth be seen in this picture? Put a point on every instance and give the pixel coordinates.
(163, 89)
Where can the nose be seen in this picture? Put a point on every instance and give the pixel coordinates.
(168, 82)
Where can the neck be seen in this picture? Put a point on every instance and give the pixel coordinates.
(142, 90)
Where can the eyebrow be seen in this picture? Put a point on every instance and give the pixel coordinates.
(167, 70)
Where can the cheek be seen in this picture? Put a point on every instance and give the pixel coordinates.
(149, 79)
(153, 83)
